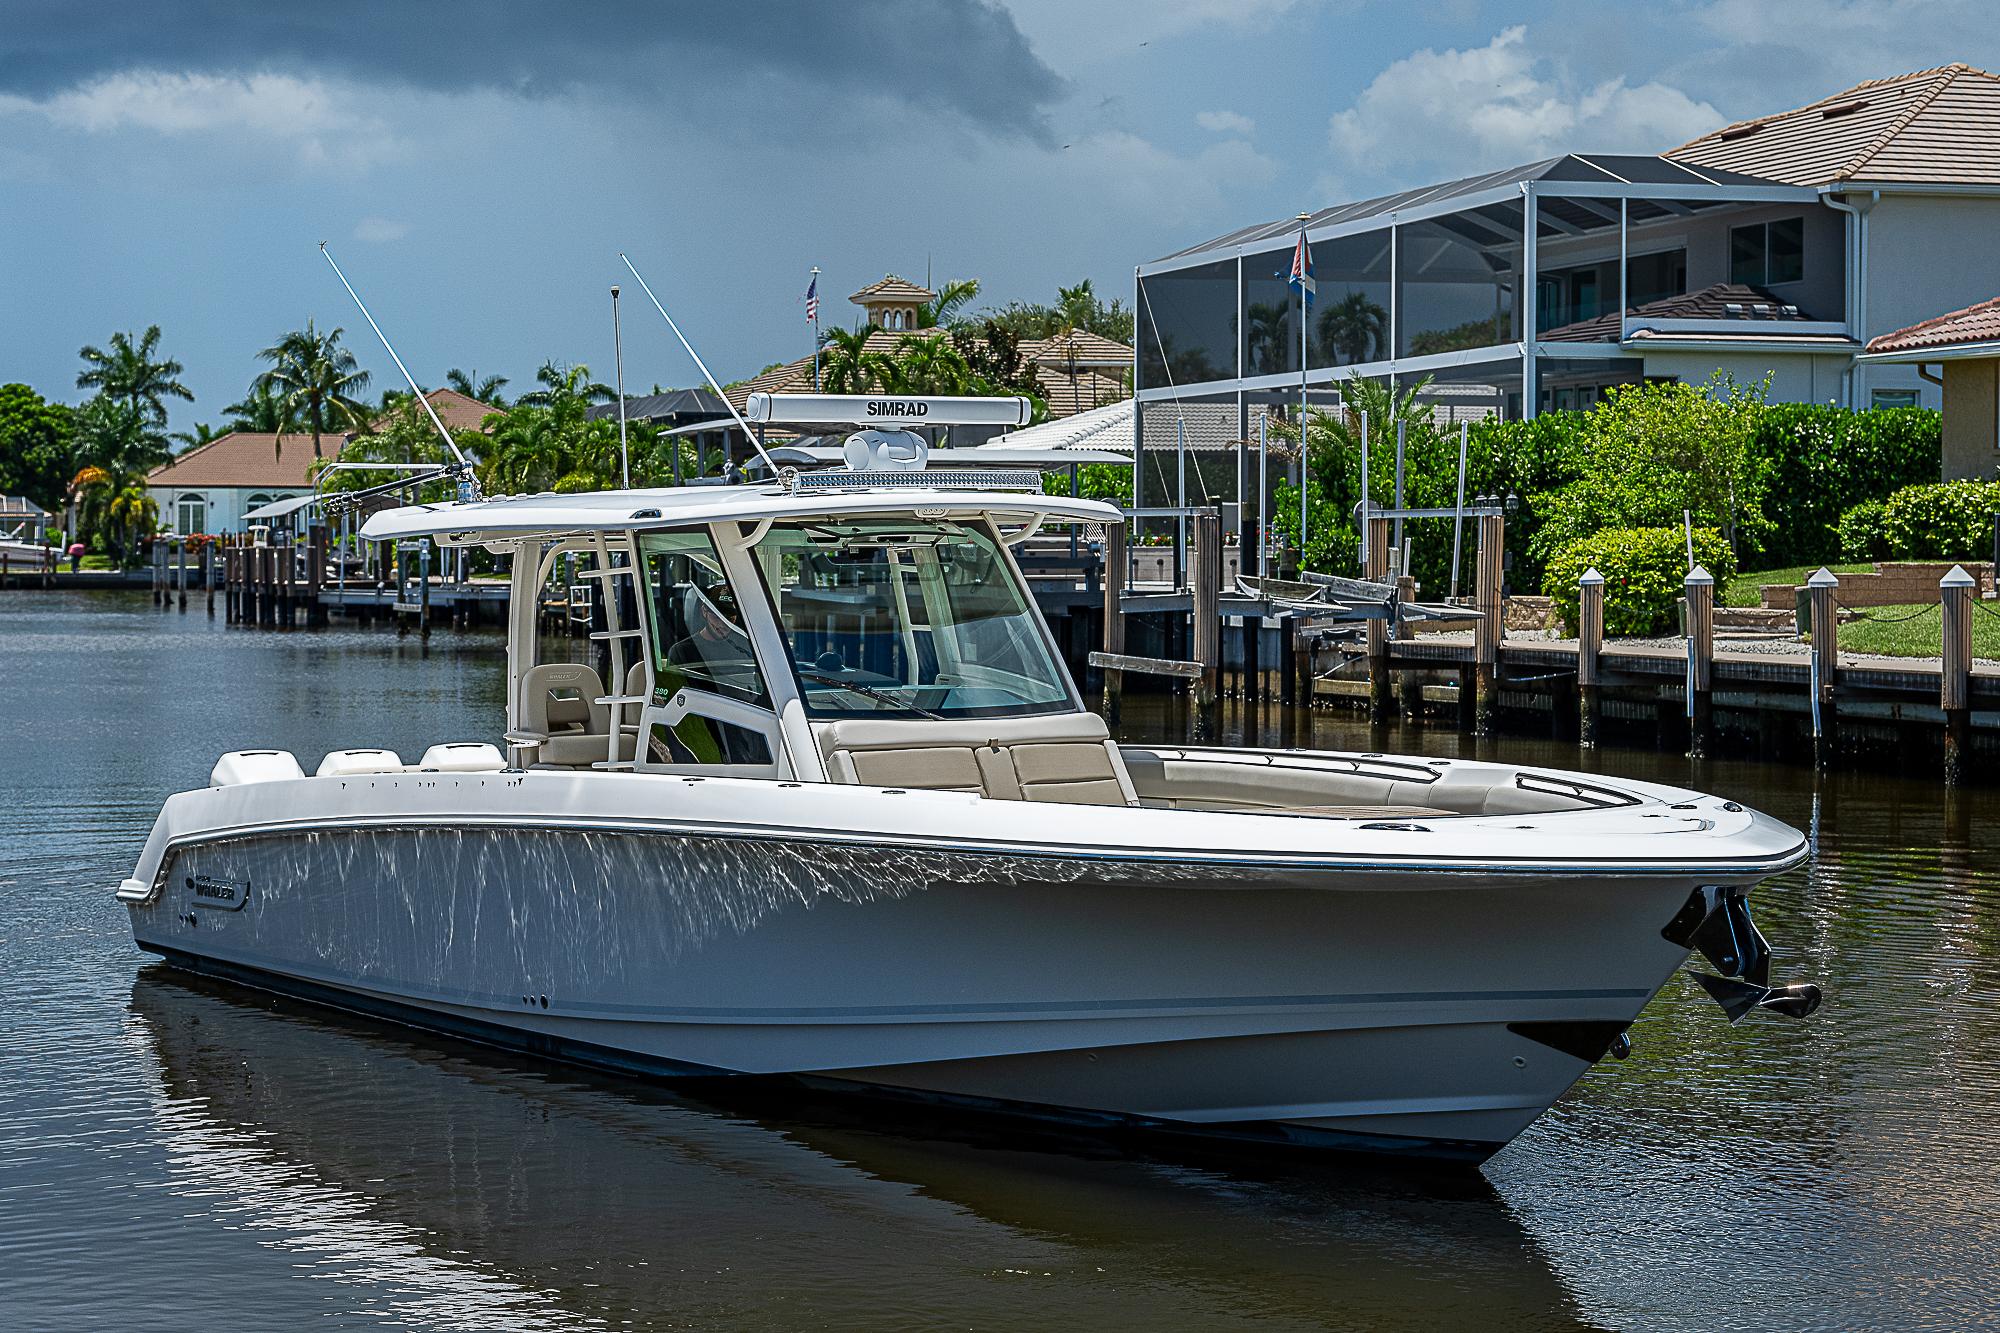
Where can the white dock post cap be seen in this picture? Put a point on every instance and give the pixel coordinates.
(1699, 575)
(1823, 579)
(1591, 576)
(1957, 578)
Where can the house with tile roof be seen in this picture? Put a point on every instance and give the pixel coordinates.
(210, 487)
(1775, 246)
(1964, 345)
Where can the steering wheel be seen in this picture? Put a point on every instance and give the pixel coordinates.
(829, 661)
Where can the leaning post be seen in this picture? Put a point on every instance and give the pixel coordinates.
(1114, 616)
(1955, 680)
(1207, 612)
(1589, 644)
(1822, 590)
(1488, 632)
(1699, 588)
(1376, 570)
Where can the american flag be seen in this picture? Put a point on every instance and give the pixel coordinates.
(812, 301)
(1302, 269)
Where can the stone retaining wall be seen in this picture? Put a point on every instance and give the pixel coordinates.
(1893, 583)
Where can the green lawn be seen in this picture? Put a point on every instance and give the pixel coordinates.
(1896, 631)
(1742, 590)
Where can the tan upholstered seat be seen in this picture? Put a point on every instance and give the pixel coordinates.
(1068, 757)
(559, 700)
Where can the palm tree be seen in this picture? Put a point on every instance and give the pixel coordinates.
(1355, 328)
(200, 435)
(317, 379)
(847, 366)
(926, 365)
(261, 409)
(134, 374)
(565, 381)
(118, 444)
(943, 309)
(1271, 338)
(484, 390)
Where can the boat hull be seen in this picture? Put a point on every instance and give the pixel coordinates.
(1330, 1006)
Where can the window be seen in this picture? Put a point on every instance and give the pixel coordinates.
(1656, 276)
(1765, 253)
(1892, 398)
(699, 639)
(191, 515)
(1590, 291)
(903, 618)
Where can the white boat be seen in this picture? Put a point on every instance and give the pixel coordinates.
(837, 813)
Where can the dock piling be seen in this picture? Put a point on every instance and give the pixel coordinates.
(1491, 627)
(1822, 591)
(1955, 680)
(1376, 570)
(1589, 643)
(1699, 588)
(1207, 633)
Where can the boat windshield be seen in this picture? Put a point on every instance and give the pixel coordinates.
(907, 618)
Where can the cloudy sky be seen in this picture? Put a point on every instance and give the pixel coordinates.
(477, 168)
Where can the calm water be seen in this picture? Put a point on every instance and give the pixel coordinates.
(175, 1156)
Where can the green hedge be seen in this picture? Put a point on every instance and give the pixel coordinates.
(1950, 520)
(1864, 532)
(1822, 461)
(1645, 572)
(1812, 464)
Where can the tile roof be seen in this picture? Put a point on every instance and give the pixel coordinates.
(1974, 324)
(1088, 349)
(246, 458)
(662, 406)
(892, 288)
(1751, 305)
(459, 411)
(1931, 126)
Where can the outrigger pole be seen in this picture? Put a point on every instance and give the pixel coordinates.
(468, 485)
(748, 434)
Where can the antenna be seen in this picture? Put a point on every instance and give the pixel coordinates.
(463, 466)
(748, 434)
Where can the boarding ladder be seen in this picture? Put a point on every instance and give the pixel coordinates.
(615, 636)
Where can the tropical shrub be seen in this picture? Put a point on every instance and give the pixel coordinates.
(1821, 461)
(1645, 572)
(1648, 453)
(1950, 520)
(1864, 532)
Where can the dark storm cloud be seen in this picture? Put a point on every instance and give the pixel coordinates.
(958, 56)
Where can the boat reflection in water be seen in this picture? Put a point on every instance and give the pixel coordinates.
(449, 1187)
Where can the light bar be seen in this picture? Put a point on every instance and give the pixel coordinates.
(885, 410)
(956, 479)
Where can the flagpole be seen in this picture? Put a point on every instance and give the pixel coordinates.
(1305, 466)
(815, 324)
